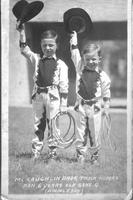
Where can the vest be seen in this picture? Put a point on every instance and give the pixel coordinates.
(46, 72)
(88, 84)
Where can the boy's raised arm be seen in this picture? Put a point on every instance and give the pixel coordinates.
(21, 30)
(24, 48)
(75, 54)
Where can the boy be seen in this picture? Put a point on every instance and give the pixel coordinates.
(50, 88)
(92, 86)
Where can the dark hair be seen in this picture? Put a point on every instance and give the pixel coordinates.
(51, 34)
(90, 47)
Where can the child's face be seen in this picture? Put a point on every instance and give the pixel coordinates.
(48, 46)
(91, 60)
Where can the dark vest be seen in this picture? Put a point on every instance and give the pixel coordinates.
(46, 72)
(88, 84)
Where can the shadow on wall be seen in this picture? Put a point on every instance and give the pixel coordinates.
(114, 31)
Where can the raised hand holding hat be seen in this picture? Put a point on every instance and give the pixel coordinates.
(74, 39)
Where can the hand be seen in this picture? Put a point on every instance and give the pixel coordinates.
(105, 112)
(74, 40)
(19, 27)
(63, 108)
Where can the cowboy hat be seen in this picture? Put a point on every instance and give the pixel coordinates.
(77, 19)
(25, 11)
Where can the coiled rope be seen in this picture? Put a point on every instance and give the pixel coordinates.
(106, 131)
(65, 139)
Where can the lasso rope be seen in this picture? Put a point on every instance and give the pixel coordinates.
(106, 131)
(62, 142)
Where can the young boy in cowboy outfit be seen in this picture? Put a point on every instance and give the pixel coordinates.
(50, 87)
(92, 87)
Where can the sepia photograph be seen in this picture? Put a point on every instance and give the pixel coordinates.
(67, 93)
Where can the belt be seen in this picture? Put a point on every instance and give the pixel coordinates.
(45, 89)
(88, 102)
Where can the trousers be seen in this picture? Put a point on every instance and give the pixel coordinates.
(45, 107)
(90, 116)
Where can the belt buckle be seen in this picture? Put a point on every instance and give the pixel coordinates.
(46, 90)
(90, 102)
(52, 87)
(83, 102)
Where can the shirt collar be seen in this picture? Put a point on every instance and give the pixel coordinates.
(54, 56)
(96, 69)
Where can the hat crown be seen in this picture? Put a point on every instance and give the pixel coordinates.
(25, 11)
(77, 19)
(18, 8)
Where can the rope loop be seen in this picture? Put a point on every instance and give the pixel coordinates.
(65, 129)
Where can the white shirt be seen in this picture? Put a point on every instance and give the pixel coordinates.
(61, 73)
(103, 85)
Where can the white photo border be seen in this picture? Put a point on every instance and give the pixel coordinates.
(4, 116)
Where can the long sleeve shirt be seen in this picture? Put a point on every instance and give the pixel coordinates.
(60, 76)
(90, 84)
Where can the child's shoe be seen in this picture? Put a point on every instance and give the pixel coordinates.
(94, 159)
(52, 154)
(96, 163)
(81, 159)
(36, 156)
(37, 147)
